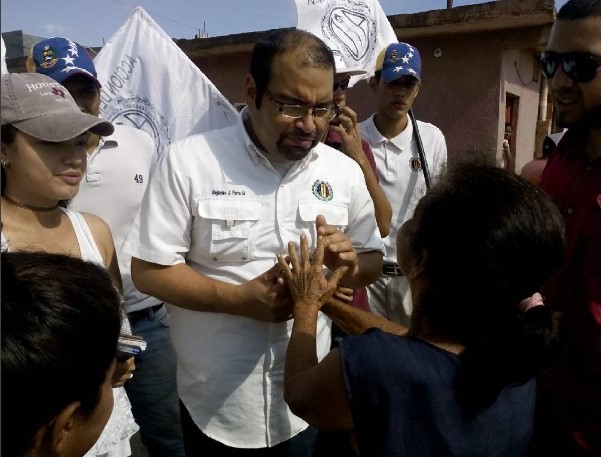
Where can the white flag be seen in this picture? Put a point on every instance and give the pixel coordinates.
(3, 64)
(356, 31)
(151, 84)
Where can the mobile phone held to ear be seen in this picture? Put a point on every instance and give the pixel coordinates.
(335, 120)
(129, 346)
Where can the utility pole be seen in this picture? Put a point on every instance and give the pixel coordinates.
(449, 4)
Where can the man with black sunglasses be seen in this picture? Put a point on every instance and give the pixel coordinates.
(568, 420)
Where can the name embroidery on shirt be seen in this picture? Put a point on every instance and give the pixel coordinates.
(228, 192)
(322, 190)
(415, 164)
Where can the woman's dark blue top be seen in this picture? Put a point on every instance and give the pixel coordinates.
(402, 397)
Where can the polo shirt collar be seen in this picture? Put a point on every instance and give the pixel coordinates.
(400, 141)
(105, 142)
(573, 144)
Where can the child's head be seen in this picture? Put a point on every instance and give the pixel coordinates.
(61, 318)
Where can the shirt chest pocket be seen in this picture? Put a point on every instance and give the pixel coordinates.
(225, 228)
(334, 214)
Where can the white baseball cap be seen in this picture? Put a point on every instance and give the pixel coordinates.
(341, 67)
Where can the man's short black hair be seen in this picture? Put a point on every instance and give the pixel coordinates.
(318, 55)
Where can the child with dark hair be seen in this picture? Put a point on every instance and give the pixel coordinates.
(461, 380)
(61, 319)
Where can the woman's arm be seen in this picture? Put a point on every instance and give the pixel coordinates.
(356, 321)
(314, 391)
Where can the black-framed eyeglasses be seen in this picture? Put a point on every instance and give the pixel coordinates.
(297, 111)
(343, 84)
(578, 66)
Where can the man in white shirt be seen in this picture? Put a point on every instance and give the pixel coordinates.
(389, 131)
(220, 206)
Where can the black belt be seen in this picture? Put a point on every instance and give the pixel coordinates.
(391, 269)
(144, 313)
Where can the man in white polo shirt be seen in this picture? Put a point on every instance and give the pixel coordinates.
(389, 131)
(220, 206)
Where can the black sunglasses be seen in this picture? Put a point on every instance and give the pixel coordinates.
(343, 84)
(578, 66)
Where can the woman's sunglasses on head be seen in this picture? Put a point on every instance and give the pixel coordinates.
(580, 67)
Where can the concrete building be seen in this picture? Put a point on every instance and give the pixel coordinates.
(18, 43)
(480, 70)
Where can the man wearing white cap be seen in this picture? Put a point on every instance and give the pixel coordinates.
(390, 133)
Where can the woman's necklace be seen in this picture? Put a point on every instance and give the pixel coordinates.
(29, 207)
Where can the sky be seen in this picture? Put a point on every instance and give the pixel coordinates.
(92, 22)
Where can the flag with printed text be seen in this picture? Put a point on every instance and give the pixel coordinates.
(149, 83)
(356, 31)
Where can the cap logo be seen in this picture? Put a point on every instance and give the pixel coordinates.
(58, 92)
(48, 57)
(322, 190)
(415, 164)
(393, 57)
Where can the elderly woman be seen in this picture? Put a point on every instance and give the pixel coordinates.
(461, 380)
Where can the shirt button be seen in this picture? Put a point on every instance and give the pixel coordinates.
(215, 259)
(570, 211)
(243, 258)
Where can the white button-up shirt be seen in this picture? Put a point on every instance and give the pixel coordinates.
(216, 203)
(400, 176)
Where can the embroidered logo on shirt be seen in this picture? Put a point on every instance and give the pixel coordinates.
(415, 164)
(322, 190)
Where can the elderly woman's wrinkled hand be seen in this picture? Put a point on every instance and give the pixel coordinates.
(305, 277)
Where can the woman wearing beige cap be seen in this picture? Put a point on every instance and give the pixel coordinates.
(43, 161)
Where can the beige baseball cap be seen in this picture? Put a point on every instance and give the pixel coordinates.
(41, 107)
